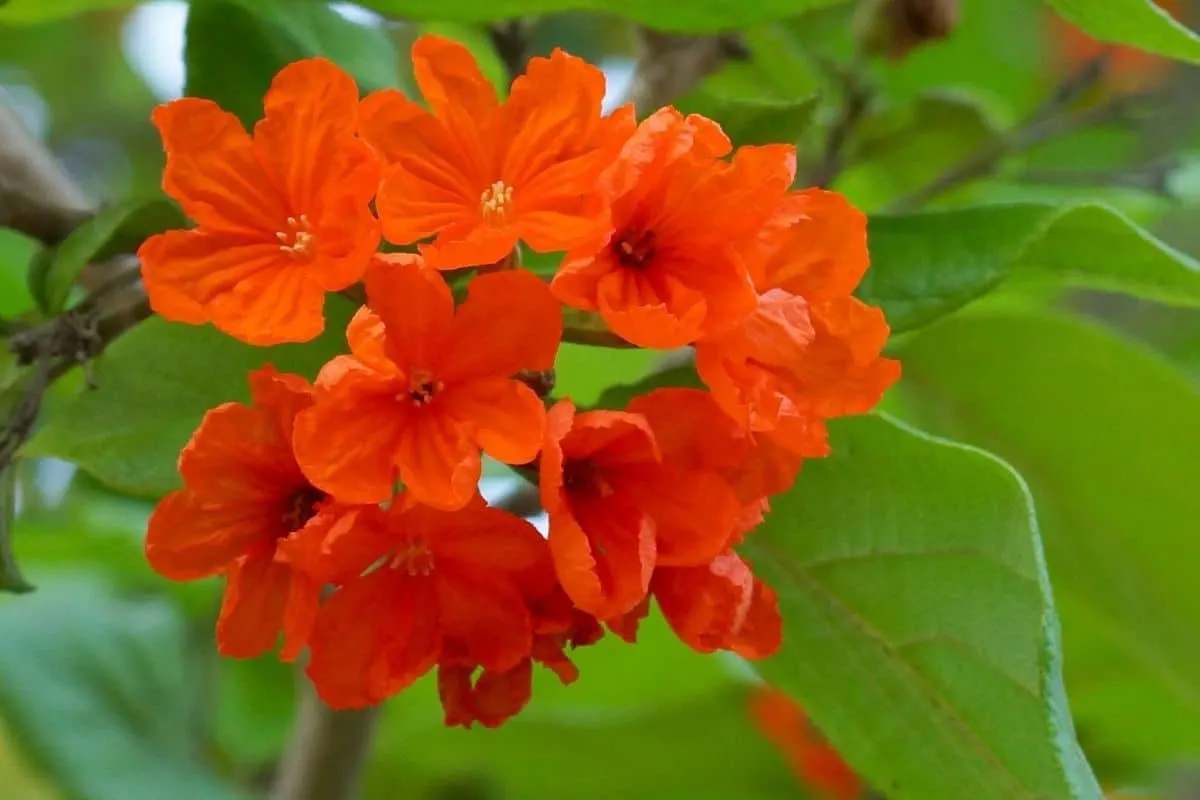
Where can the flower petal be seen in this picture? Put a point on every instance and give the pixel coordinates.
(283, 394)
(491, 540)
(495, 698)
(816, 247)
(695, 512)
(417, 310)
(374, 637)
(241, 455)
(187, 539)
(438, 459)
(761, 632)
(604, 555)
(706, 605)
(260, 601)
(338, 544)
(509, 322)
(508, 417)
(346, 444)
(486, 619)
(213, 171)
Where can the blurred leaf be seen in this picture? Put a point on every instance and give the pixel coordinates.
(94, 689)
(696, 16)
(919, 631)
(927, 265)
(754, 121)
(235, 47)
(16, 251)
(1139, 23)
(901, 147)
(255, 708)
(1107, 434)
(117, 229)
(42, 10)
(155, 383)
(618, 397)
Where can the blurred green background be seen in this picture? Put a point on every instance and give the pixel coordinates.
(110, 688)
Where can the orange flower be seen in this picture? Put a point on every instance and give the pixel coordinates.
(616, 509)
(810, 351)
(718, 605)
(244, 496)
(481, 174)
(282, 218)
(426, 388)
(817, 765)
(669, 271)
(492, 698)
(450, 588)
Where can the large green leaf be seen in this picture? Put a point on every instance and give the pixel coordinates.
(927, 265)
(1140, 23)
(918, 626)
(95, 690)
(1107, 434)
(155, 383)
(235, 47)
(696, 16)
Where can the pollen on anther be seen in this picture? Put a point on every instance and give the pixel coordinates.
(297, 240)
(495, 201)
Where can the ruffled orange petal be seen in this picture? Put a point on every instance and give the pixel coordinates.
(263, 597)
(239, 454)
(761, 633)
(604, 555)
(366, 336)
(438, 459)
(213, 170)
(691, 429)
(187, 539)
(417, 310)
(285, 395)
(815, 247)
(658, 312)
(347, 443)
(488, 540)
(310, 112)
(453, 85)
(695, 512)
(509, 322)
(495, 697)
(508, 418)
(469, 245)
(706, 605)
(374, 637)
(246, 288)
(487, 620)
(338, 544)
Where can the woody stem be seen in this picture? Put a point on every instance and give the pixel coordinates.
(328, 749)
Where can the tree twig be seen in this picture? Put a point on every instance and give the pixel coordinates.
(328, 749)
(856, 99)
(510, 40)
(669, 65)
(1049, 121)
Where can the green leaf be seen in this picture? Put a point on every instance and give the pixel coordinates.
(234, 48)
(16, 253)
(1107, 433)
(94, 689)
(754, 121)
(919, 632)
(155, 383)
(29, 11)
(901, 147)
(11, 579)
(117, 229)
(1139, 23)
(696, 16)
(927, 265)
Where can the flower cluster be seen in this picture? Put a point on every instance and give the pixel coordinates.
(345, 514)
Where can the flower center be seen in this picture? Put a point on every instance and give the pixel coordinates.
(297, 240)
(300, 508)
(421, 388)
(584, 477)
(414, 557)
(634, 248)
(495, 202)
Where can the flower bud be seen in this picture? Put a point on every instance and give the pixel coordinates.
(894, 27)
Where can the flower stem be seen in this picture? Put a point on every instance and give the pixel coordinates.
(327, 752)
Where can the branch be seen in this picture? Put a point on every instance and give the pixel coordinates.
(856, 99)
(1049, 121)
(669, 65)
(510, 40)
(327, 752)
(36, 196)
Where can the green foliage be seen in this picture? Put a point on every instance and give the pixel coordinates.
(698, 16)
(927, 265)
(16, 252)
(129, 433)
(919, 630)
(755, 121)
(27, 11)
(94, 687)
(118, 229)
(1107, 435)
(235, 47)
(11, 579)
(1140, 23)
